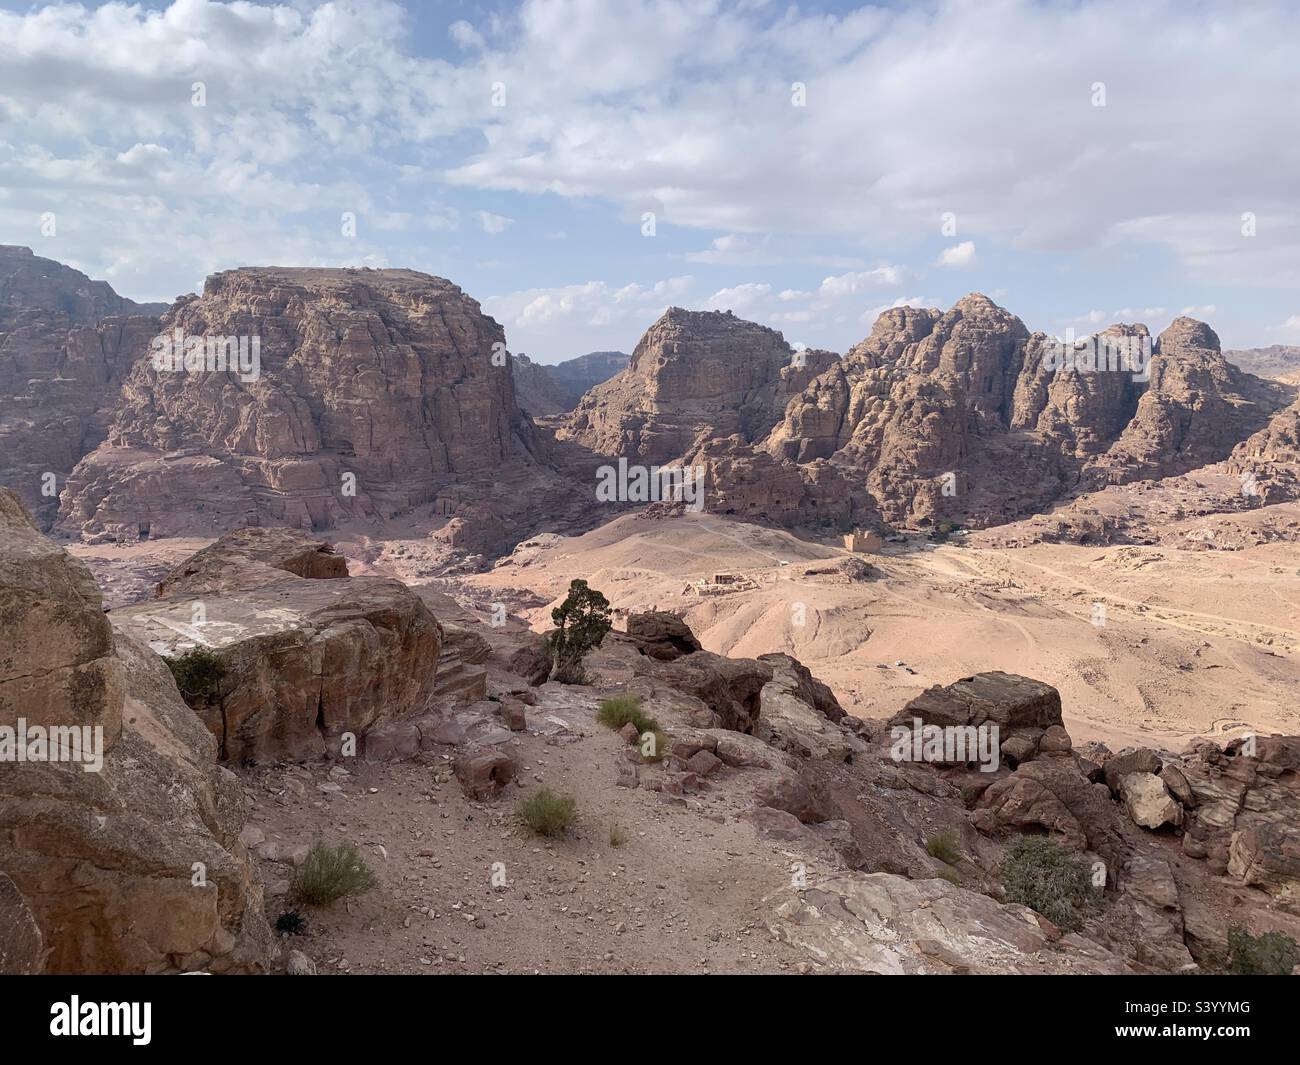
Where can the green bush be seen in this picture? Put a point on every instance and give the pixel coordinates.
(1056, 883)
(330, 873)
(1270, 954)
(621, 709)
(546, 813)
(617, 836)
(198, 675)
(943, 845)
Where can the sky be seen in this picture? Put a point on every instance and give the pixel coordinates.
(578, 166)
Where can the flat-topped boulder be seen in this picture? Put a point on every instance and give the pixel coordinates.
(240, 560)
(306, 662)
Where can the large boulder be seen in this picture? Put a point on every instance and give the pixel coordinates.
(1051, 794)
(1004, 699)
(240, 560)
(1268, 856)
(131, 864)
(730, 687)
(800, 714)
(662, 635)
(306, 662)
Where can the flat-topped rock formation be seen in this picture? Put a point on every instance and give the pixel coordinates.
(376, 393)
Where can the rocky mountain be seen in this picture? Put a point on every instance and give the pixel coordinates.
(576, 376)
(362, 395)
(1278, 361)
(66, 342)
(961, 415)
(535, 389)
(705, 388)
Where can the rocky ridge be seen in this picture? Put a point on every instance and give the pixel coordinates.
(960, 415)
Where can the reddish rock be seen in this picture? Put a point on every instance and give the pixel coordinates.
(513, 715)
(483, 774)
(702, 763)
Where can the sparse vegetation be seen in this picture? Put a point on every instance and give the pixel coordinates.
(1269, 954)
(581, 623)
(943, 845)
(656, 749)
(547, 813)
(291, 923)
(330, 873)
(943, 530)
(198, 675)
(1041, 875)
(619, 710)
(949, 875)
(617, 836)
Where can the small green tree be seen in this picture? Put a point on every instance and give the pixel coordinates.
(198, 674)
(581, 623)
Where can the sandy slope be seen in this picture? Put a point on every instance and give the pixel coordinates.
(1193, 641)
(1190, 642)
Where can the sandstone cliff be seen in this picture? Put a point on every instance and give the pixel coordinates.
(377, 393)
(576, 376)
(961, 415)
(537, 392)
(65, 344)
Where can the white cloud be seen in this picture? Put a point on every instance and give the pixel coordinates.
(678, 106)
(959, 255)
(493, 223)
(559, 322)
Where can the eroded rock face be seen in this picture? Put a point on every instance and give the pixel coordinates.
(66, 342)
(694, 376)
(57, 666)
(730, 687)
(1195, 410)
(576, 376)
(22, 947)
(887, 924)
(135, 867)
(307, 661)
(377, 392)
(536, 391)
(960, 415)
(1269, 461)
